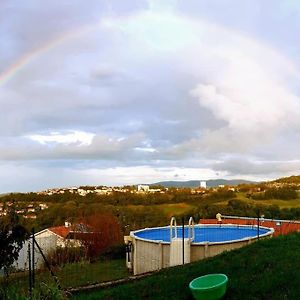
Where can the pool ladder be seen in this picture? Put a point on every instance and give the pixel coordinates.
(191, 229)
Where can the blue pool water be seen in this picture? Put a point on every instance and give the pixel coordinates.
(203, 233)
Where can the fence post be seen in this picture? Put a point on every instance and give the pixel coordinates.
(29, 269)
(47, 264)
(258, 224)
(33, 260)
(183, 240)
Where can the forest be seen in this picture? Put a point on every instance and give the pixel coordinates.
(135, 211)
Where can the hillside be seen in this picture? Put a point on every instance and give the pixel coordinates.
(267, 269)
(295, 179)
(196, 183)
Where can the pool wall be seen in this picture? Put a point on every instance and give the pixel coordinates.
(149, 255)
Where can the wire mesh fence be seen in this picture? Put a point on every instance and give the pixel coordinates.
(46, 257)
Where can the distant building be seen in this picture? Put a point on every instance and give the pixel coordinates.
(143, 188)
(43, 206)
(49, 240)
(203, 184)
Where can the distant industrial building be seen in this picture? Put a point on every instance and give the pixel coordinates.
(203, 184)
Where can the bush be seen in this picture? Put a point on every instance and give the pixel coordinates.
(42, 292)
(283, 193)
(104, 232)
(48, 292)
(222, 194)
(61, 256)
(115, 252)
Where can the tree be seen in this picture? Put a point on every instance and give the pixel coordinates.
(102, 232)
(12, 237)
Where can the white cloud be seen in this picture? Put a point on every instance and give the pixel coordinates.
(145, 149)
(79, 138)
(251, 168)
(64, 176)
(76, 147)
(192, 89)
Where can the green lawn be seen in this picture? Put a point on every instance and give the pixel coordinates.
(175, 208)
(267, 269)
(168, 209)
(281, 203)
(76, 274)
(290, 203)
(73, 275)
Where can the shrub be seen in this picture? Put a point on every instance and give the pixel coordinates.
(41, 292)
(115, 252)
(12, 238)
(61, 256)
(283, 193)
(48, 292)
(104, 232)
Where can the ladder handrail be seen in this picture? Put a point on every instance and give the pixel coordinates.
(191, 229)
(173, 220)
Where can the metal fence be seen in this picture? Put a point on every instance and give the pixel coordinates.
(44, 259)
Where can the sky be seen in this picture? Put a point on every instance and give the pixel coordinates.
(121, 92)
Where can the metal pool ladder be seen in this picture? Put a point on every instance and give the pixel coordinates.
(191, 229)
(180, 247)
(173, 223)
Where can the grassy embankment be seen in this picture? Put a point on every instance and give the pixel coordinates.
(75, 274)
(268, 269)
(289, 203)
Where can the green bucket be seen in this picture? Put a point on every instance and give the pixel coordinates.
(209, 287)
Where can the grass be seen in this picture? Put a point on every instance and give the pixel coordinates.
(290, 203)
(175, 209)
(73, 275)
(281, 203)
(76, 274)
(267, 269)
(167, 209)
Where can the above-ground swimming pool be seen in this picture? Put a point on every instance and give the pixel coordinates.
(204, 233)
(152, 250)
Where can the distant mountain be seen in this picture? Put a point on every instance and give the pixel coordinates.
(196, 183)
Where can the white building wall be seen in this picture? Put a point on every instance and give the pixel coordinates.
(47, 241)
(143, 188)
(203, 184)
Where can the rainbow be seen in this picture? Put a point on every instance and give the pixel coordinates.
(23, 61)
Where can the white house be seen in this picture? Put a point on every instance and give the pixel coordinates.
(48, 239)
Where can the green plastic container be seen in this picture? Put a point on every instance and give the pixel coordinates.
(209, 287)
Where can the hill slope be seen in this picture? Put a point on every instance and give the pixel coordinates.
(196, 183)
(291, 179)
(268, 269)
